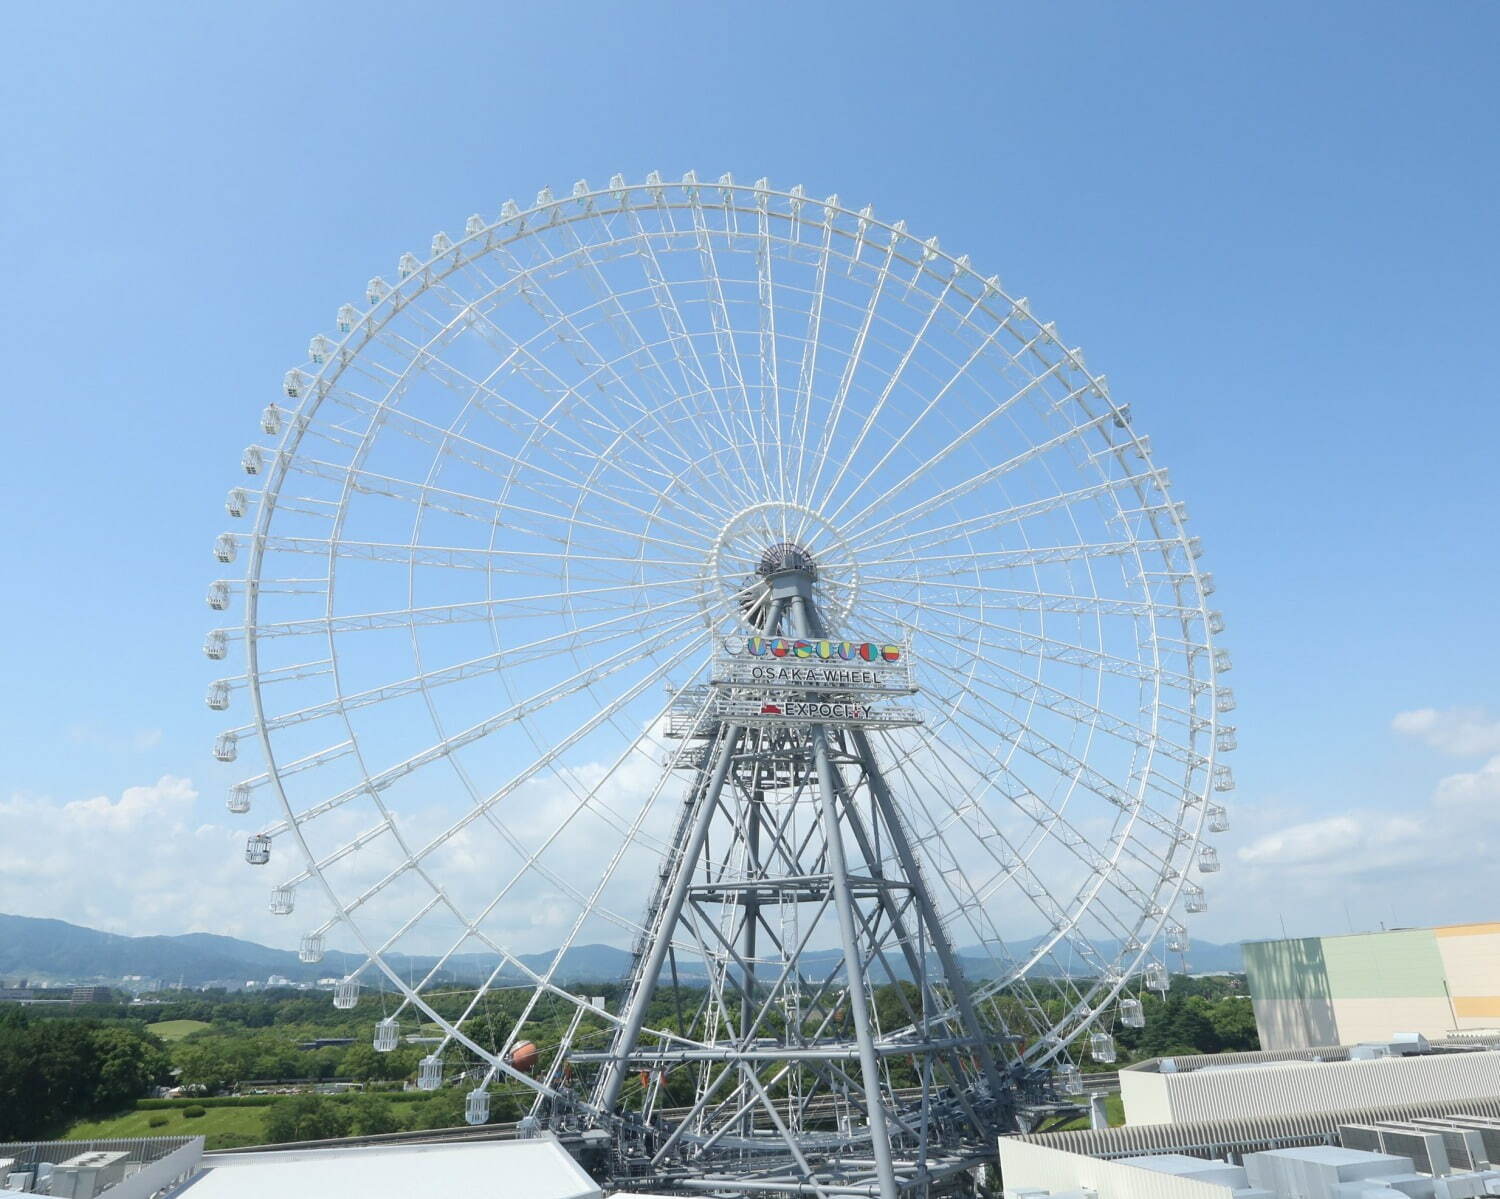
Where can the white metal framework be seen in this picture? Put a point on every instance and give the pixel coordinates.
(514, 511)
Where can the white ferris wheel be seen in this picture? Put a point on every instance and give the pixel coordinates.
(744, 582)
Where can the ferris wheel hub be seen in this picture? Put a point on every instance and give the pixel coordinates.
(773, 537)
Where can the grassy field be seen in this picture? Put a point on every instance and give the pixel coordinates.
(175, 1030)
(215, 1125)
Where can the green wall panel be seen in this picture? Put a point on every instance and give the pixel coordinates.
(1392, 965)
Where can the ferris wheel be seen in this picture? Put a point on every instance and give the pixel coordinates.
(745, 584)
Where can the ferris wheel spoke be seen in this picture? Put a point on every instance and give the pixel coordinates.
(484, 398)
(978, 561)
(482, 455)
(728, 354)
(1053, 819)
(935, 503)
(590, 907)
(900, 545)
(1018, 600)
(551, 311)
(677, 329)
(1036, 644)
(1063, 923)
(960, 373)
(852, 362)
(477, 610)
(535, 703)
(1065, 764)
(1031, 690)
(808, 369)
(878, 407)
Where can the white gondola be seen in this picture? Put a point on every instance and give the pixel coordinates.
(239, 799)
(218, 595)
(319, 348)
(226, 746)
(346, 994)
(311, 949)
(1218, 818)
(348, 314)
(218, 695)
(252, 460)
(1216, 622)
(270, 419)
(1102, 1047)
(1194, 899)
(387, 1037)
(1226, 738)
(225, 547)
(1069, 1079)
(1156, 978)
(1224, 700)
(283, 900)
(406, 266)
(1223, 663)
(1223, 778)
(216, 645)
(294, 382)
(376, 290)
(258, 849)
(1208, 859)
(236, 502)
(430, 1073)
(477, 1106)
(1177, 939)
(1206, 584)
(1132, 1014)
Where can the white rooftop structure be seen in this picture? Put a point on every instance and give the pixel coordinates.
(1229, 1090)
(537, 1168)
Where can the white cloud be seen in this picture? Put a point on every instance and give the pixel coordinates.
(1339, 843)
(142, 862)
(1452, 730)
(1472, 788)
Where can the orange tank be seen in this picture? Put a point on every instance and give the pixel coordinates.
(523, 1055)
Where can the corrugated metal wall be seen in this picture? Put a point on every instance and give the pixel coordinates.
(1291, 1087)
(1235, 1138)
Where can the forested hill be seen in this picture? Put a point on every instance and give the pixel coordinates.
(55, 950)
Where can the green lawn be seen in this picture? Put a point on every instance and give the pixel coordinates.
(216, 1124)
(175, 1030)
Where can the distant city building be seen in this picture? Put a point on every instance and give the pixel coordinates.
(278, 980)
(92, 995)
(1368, 986)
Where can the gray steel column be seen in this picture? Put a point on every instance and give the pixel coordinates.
(645, 984)
(880, 1141)
(800, 586)
(952, 968)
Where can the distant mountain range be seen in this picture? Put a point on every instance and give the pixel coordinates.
(53, 950)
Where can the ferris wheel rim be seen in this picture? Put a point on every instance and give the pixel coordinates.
(292, 438)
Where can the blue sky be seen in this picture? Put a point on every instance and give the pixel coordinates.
(1272, 225)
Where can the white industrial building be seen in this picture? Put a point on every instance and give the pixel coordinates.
(169, 1167)
(1165, 1091)
(1033, 1171)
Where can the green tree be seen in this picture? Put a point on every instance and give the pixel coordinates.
(305, 1118)
(1233, 1021)
(128, 1064)
(370, 1115)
